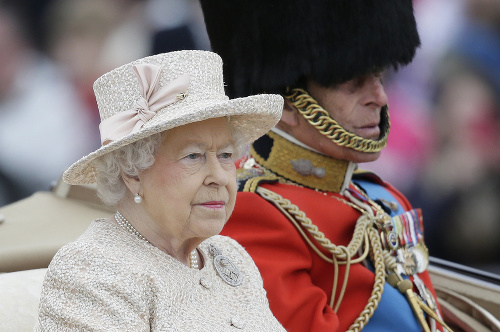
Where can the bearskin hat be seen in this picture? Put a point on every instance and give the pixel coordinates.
(267, 45)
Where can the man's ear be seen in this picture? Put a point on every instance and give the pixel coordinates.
(289, 117)
(133, 183)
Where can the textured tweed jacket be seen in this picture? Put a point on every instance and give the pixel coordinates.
(110, 280)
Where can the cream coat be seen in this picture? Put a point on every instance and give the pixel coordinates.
(110, 280)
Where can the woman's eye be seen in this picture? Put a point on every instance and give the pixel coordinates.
(226, 155)
(193, 156)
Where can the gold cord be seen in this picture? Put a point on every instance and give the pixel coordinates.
(341, 254)
(366, 235)
(318, 117)
(378, 286)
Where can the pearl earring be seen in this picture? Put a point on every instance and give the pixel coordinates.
(138, 198)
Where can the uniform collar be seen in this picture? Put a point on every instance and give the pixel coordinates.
(298, 163)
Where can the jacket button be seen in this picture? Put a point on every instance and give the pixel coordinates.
(205, 282)
(236, 322)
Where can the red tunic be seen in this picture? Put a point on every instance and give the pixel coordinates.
(298, 282)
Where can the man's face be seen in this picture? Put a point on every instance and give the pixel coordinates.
(356, 105)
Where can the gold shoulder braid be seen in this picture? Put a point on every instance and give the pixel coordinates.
(252, 184)
(250, 177)
(368, 234)
(321, 120)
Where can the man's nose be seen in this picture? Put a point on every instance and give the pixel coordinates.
(377, 91)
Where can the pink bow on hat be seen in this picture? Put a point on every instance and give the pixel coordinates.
(132, 120)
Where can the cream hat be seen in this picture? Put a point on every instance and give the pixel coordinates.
(165, 91)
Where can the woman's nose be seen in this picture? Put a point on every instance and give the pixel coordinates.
(216, 174)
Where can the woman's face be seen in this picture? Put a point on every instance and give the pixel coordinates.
(190, 190)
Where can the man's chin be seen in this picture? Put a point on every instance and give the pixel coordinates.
(361, 157)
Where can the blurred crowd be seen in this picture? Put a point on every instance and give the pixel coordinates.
(444, 152)
(51, 52)
(443, 149)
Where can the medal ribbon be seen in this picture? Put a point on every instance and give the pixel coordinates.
(409, 227)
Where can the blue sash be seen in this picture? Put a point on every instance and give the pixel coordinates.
(393, 312)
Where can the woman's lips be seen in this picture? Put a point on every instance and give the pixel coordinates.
(213, 204)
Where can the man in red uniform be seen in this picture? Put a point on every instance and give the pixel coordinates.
(338, 248)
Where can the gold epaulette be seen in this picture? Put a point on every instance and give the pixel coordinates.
(249, 180)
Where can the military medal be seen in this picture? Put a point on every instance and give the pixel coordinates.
(421, 256)
(425, 293)
(225, 268)
(408, 261)
(412, 254)
(388, 237)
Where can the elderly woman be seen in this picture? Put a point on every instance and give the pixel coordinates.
(170, 138)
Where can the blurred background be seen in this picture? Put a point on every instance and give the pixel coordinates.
(443, 151)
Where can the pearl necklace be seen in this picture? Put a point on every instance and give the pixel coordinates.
(193, 256)
(193, 260)
(128, 226)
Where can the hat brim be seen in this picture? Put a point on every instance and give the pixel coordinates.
(251, 117)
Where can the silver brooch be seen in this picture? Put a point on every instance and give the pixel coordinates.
(305, 167)
(225, 268)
